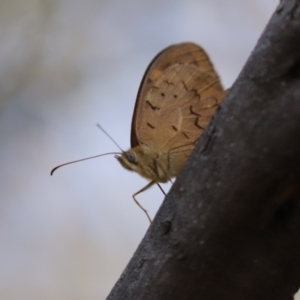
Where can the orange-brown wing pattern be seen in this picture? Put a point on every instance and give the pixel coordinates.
(175, 111)
(184, 53)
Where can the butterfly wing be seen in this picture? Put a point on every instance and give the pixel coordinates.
(175, 111)
(185, 53)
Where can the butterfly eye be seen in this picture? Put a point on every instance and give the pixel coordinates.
(130, 156)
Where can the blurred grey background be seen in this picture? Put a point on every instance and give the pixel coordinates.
(65, 66)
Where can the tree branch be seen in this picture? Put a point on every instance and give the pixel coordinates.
(230, 227)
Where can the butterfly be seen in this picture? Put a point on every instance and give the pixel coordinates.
(178, 95)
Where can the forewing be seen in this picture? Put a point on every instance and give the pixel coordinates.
(184, 53)
(177, 108)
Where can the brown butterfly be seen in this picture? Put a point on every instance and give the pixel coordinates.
(178, 95)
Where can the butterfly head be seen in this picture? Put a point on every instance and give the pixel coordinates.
(138, 160)
(128, 160)
(145, 162)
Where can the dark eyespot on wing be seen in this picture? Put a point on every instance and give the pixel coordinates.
(150, 125)
(193, 112)
(184, 133)
(184, 85)
(152, 106)
(197, 125)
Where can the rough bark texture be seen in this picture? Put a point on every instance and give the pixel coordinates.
(230, 227)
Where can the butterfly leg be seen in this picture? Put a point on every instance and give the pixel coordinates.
(161, 189)
(140, 206)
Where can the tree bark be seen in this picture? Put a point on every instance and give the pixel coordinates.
(230, 226)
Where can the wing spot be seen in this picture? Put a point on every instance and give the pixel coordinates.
(185, 135)
(193, 112)
(197, 125)
(150, 125)
(184, 85)
(175, 96)
(152, 106)
(196, 93)
(162, 94)
(176, 129)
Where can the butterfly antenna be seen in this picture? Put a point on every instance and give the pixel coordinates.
(75, 161)
(102, 129)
